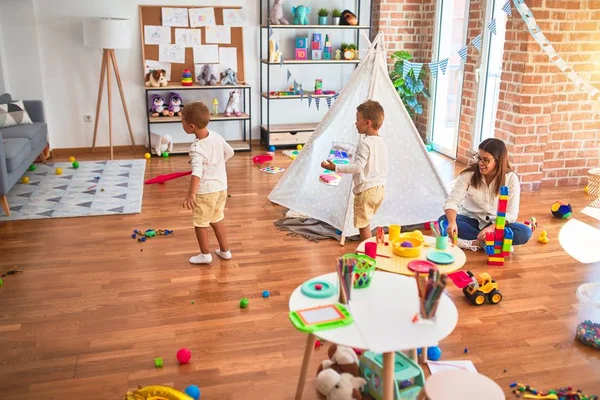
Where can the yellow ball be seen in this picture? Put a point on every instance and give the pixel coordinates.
(147, 156)
(586, 188)
(299, 147)
(58, 171)
(71, 159)
(293, 157)
(25, 179)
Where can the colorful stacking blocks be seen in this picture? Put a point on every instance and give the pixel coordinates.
(327, 49)
(316, 46)
(186, 78)
(301, 48)
(316, 55)
(499, 242)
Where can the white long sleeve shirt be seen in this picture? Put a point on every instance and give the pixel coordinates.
(208, 162)
(482, 203)
(370, 166)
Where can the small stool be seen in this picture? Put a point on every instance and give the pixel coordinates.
(462, 384)
(594, 187)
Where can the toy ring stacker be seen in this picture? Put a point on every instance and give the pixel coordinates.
(156, 393)
(318, 289)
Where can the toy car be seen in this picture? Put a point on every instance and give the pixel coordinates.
(477, 290)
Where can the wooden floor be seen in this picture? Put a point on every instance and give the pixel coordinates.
(93, 307)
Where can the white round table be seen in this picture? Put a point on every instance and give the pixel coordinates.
(383, 321)
(460, 384)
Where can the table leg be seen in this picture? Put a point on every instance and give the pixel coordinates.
(388, 376)
(310, 344)
(413, 355)
(423, 357)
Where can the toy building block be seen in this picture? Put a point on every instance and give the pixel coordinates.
(158, 362)
(327, 56)
(316, 46)
(301, 54)
(317, 37)
(508, 239)
(499, 243)
(302, 43)
(316, 55)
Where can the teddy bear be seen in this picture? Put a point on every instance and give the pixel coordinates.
(342, 359)
(233, 105)
(158, 106)
(276, 15)
(156, 78)
(335, 386)
(175, 105)
(229, 78)
(207, 76)
(301, 15)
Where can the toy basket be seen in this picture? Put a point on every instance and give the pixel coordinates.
(363, 270)
(588, 330)
(594, 187)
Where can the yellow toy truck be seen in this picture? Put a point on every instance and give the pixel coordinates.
(481, 289)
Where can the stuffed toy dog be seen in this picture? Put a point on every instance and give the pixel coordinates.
(342, 359)
(156, 78)
(336, 386)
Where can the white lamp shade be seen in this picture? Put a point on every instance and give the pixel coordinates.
(107, 33)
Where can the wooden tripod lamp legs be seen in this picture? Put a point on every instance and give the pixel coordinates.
(108, 57)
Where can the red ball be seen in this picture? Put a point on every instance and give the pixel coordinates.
(318, 286)
(184, 355)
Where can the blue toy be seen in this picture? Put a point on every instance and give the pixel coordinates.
(272, 148)
(193, 391)
(434, 353)
(300, 15)
(265, 293)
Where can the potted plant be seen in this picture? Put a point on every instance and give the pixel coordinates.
(410, 86)
(348, 51)
(323, 13)
(336, 14)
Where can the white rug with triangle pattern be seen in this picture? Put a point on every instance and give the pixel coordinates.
(95, 188)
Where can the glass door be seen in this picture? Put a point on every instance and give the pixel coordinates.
(489, 73)
(444, 111)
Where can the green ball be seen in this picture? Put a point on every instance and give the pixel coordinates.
(32, 167)
(165, 154)
(244, 302)
(75, 164)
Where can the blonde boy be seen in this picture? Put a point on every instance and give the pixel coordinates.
(208, 187)
(370, 168)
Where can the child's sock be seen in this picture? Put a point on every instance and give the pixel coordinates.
(225, 255)
(201, 259)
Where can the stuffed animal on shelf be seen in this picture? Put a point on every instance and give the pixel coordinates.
(335, 386)
(156, 78)
(229, 78)
(301, 15)
(175, 105)
(207, 76)
(233, 105)
(161, 143)
(158, 106)
(348, 18)
(276, 15)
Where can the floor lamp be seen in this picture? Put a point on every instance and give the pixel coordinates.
(108, 34)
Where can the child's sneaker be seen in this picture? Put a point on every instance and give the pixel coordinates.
(225, 255)
(201, 259)
(472, 245)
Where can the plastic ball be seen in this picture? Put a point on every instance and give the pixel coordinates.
(193, 391)
(75, 164)
(434, 353)
(165, 154)
(272, 148)
(293, 157)
(562, 210)
(299, 147)
(266, 293)
(58, 171)
(25, 179)
(32, 167)
(406, 244)
(71, 159)
(586, 188)
(244, 302)
(147, 156)
(184, 356)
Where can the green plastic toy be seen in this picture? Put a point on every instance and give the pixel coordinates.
(150, 233)
(244, 302)
(1, 282)
(321, 318)
(165, 154)
(32, 167)
(158, 362)
(75, 164)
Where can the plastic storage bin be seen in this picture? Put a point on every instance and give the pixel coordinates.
(588, 330)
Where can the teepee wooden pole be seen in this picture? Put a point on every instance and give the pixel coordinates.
(103, 69)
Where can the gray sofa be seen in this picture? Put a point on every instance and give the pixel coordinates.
(19, 147)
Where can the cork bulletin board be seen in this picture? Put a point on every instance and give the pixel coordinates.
(151, 17)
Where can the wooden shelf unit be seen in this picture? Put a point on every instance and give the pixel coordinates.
(296, 96)
(312, 62)
(179, 86)
(218, 117)
(315, 26)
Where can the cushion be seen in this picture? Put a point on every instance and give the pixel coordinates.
(16, 150)
(5, 98)
(13, 113)
(36, 132)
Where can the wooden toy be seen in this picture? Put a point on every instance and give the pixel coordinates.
(301, 43)
(320, 318)
(498, 243)
(301, 54)
(316, 55)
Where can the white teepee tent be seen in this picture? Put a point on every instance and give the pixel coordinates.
(414, 192)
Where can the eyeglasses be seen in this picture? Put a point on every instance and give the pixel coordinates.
(485, 161)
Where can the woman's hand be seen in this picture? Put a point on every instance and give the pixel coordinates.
(485, 230)
(452, 229)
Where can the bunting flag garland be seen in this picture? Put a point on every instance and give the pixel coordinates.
(406, 67)
(289, 75)
(328, 99)
(416, 68)
(301, 95)
(477, 42)
(433, 67)
(281, 60)
(270, 32)
(309, 100)
(506, 8)
(463, 53)
(444, 65)
(317, 102)
(492, 26)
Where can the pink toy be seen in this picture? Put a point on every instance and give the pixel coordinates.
(371, 249)
(260, 160)
(184, 356)
(167, 177)
(461, 279)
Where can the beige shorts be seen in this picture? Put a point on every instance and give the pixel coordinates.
(209, 208)
(366, 205)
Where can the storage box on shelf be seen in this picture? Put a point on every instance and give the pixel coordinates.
(244, 118)
(307, 51)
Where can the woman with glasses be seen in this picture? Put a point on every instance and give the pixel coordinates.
(472, 205)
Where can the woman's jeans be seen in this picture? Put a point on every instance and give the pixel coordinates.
(468, 229)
